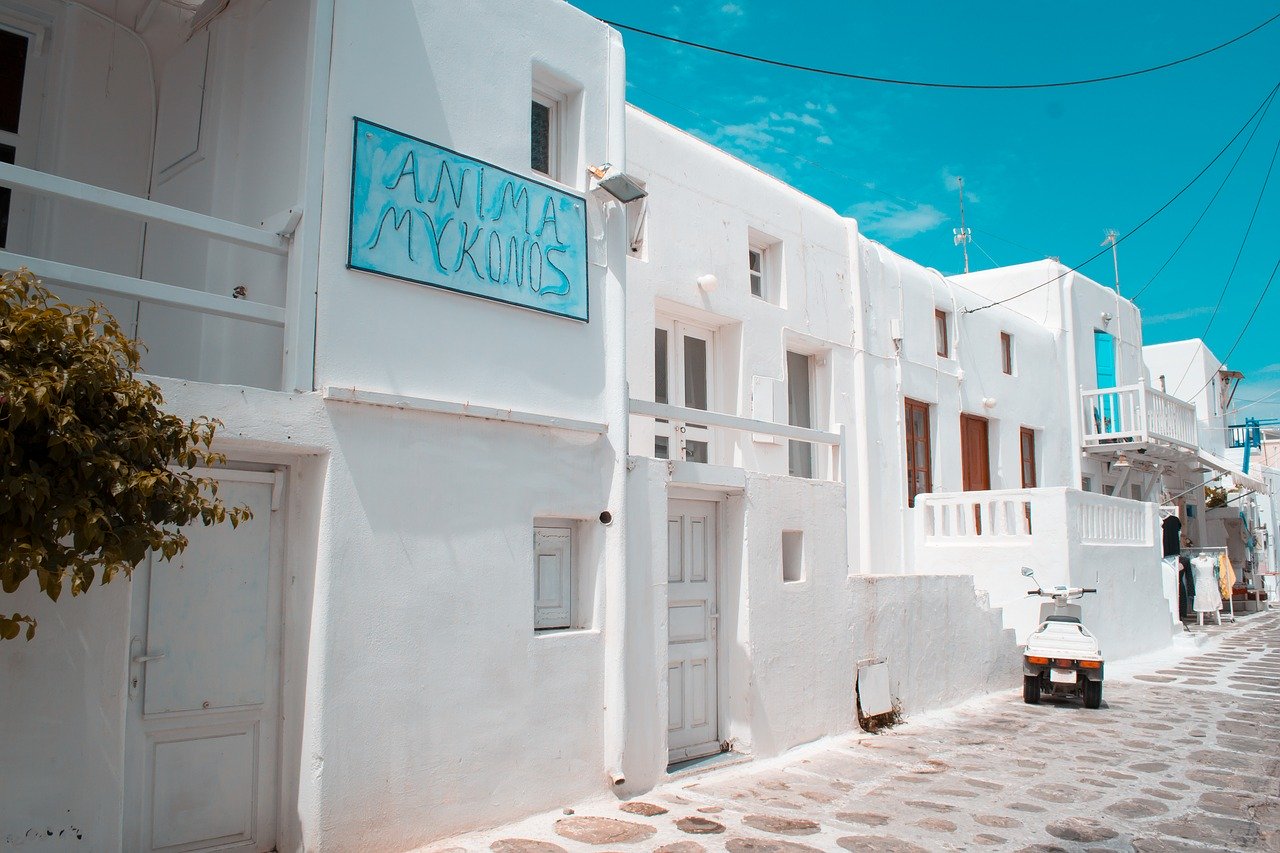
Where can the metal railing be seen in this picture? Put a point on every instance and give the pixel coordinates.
(1136, 413)
(837, 441)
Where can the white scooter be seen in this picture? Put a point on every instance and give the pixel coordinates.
(1061, 656)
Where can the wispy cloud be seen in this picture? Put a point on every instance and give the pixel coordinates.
(896, 221)
(732, 9)
(1174, 316)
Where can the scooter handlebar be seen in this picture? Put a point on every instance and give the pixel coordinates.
(1089, 590)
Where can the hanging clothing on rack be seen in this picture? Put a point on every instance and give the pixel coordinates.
(1208, 596)
(1226, 576)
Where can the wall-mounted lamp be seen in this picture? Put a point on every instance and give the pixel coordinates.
(619, 185)
(708, 283)
(1106, 318)
(988, 402)
(1122, 461)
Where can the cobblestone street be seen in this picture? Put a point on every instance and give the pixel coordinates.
(1184, 755)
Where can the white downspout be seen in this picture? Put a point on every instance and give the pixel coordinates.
(617, 416)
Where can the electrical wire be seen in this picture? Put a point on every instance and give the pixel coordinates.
(1205, 212)
(868, 78)
(814, 163)
(1254, 313)
(1227, 284)
(1108, 246)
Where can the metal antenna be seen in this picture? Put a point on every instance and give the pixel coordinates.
(962, 235)
(1112, 238)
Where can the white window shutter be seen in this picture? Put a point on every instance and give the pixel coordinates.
(552, 577)
(763, 400)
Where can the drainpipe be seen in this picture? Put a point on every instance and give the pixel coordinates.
(861, 538)
(1067, 315)
(617, 417)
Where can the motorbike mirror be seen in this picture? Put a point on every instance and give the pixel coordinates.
(1027, 572)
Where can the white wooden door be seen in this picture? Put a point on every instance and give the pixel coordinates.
(203, 717)
(692, 620)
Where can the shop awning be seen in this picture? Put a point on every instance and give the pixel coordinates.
(1222, 466)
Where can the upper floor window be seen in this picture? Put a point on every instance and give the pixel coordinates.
(544, 133)
(942, 333)
(13, 73)
(1006, 353)
(800, 411)
(755, 268)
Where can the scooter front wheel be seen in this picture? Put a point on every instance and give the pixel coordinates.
(1093, 694)
(1031, 689)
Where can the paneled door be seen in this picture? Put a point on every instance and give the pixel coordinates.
(975, 455)
(203, 714)
(692, 615)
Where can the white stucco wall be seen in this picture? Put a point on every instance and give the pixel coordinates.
(898, 294)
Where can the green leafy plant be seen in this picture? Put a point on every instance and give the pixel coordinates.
(94, 476)
(1214, 497)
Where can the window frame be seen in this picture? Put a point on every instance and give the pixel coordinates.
(761, 275)
(795, 447)
(942, 332)
(910, 440)
(25, 141)
(679, 433)
(554, 104)
(568, 530)
(1006, 354)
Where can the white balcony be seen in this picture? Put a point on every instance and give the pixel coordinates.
(1135, 417)
(1068, 537)
(186, 297)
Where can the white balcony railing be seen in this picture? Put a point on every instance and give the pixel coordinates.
(836, 442)
(1136, 414)
(159, 293)
(1050, 516)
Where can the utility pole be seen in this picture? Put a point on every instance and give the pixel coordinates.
(1113, 238)
(962, 235)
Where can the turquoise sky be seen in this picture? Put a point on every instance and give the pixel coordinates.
(1046, 171)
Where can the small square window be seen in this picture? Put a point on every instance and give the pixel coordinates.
(1086, 484)
(792, 556)
(941, 333)
(1006, 353)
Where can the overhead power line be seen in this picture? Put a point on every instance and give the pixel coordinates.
(928, 84)
(1106, 247)
(1226, 285)
(1207, 207)
(1247, 323)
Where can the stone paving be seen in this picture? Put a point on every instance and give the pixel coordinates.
(1184, 755)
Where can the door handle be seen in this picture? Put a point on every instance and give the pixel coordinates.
(148, 658)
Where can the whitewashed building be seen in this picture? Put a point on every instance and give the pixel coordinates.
(359, 666)
(521, 533)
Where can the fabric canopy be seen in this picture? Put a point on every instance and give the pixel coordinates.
(1222, 466)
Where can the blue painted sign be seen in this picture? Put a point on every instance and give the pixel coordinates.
(425, 214)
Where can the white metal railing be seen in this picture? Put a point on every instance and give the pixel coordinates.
(1108, 520)
(113, 284)
(992, 515)
(1136, 413)
(836, 440)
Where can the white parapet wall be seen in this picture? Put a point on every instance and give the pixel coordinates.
(1067, 537)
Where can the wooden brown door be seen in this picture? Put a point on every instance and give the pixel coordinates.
(974, 453)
